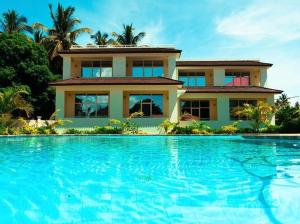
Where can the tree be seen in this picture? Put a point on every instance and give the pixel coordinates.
(285, 112)
(128, 37)
(259, 115)
(63, 32)
(12, 22)
(24, 62)
(101, 38)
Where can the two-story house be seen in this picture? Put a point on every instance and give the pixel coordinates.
(111, 82)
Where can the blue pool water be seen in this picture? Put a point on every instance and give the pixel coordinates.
(106, 179)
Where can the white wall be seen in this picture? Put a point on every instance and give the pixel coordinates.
(219, 76)
(66, 67)
(119, 66)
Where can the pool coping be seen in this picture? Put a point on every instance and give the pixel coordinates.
(246, 136)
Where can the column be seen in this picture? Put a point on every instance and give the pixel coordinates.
(60, 103)
(116, 104)
(223, 110)
(173, 105)
(66, 67)
(263, 77)
(219, 76)
(172, 67)
(270, 100)
(119, 66)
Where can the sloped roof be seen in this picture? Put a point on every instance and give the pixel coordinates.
(232, 89)
(223, 63)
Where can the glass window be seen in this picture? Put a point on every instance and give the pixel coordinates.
(147, 68)
(233, 104)
(198, 108)
(91, 105)
(192, 79)
(237, 79)
(150, 105)
(96, 69)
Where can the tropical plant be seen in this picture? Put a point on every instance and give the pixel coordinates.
(64, 31)
(259, 115)
(285, 112)
(25, 63)
(102, 38)
(127, 126)
(231, 128)
(12, 22)
(12, 99)
(53, 123)
(168, 126)
(127, 37)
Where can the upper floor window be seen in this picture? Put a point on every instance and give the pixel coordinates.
(150, 104)
(237, 78)
(96, 69)
(147, 68)
(233, 104)
(91, 105)
(192, 79)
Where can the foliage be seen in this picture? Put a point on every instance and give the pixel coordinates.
(104, 130)
(12, 99)
(127, 37)
(292, 126)
(12, 22)
(73, 131)
(285, 112)
(23, 62)
(231, 128)
(259, 115)
(197, 127)
(127, 126)
(102, 38)
(168, 126)
(64, 31)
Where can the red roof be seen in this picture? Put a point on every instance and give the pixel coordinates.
(223, 63)
(232, 89)
(117, 81)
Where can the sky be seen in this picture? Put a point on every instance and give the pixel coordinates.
(266, 30)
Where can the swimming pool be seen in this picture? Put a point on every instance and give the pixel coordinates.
(127, 179)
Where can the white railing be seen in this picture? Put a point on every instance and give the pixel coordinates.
(121, 46)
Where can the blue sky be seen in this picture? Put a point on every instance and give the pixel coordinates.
(268, 30)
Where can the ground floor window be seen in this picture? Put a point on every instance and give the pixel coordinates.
(233, 104)
(91, 105)
(197, 108)
(149, 104)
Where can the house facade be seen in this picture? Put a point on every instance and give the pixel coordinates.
(106, 82)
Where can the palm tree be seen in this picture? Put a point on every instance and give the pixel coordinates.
(11, 99)
(64, 32)
(260, 114)
(127, 37)
(282, 101)
(13, 22)
(101, 38)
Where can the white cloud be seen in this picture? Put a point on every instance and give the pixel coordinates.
(263, 20)
(154, 33)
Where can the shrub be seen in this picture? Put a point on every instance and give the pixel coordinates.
(292, 126)
(168, 126)
(127, 126)
(104, 130)
(73, 131)
(230, 129)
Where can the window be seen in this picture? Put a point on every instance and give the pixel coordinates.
(96, 69)
(237, 78)
(147, 68)
(197, 108)
(91, 105)
(192, 79)
(233, 104)
(150, 105)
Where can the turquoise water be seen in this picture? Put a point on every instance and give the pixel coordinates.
(105, 179)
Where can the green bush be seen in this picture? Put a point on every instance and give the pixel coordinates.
(229, 129)
(73, 131)
(104, 130)
(292, 126)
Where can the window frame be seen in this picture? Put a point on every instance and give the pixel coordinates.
(143, 66)
(190, 108)
(95, 104)
(237, 75)
(192, 75)
(93, 68)
(236, 118)
(147, 103)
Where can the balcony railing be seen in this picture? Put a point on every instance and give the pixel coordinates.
(121, 46)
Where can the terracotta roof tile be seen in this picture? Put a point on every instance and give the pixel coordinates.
(117, 81)
(222, 63)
